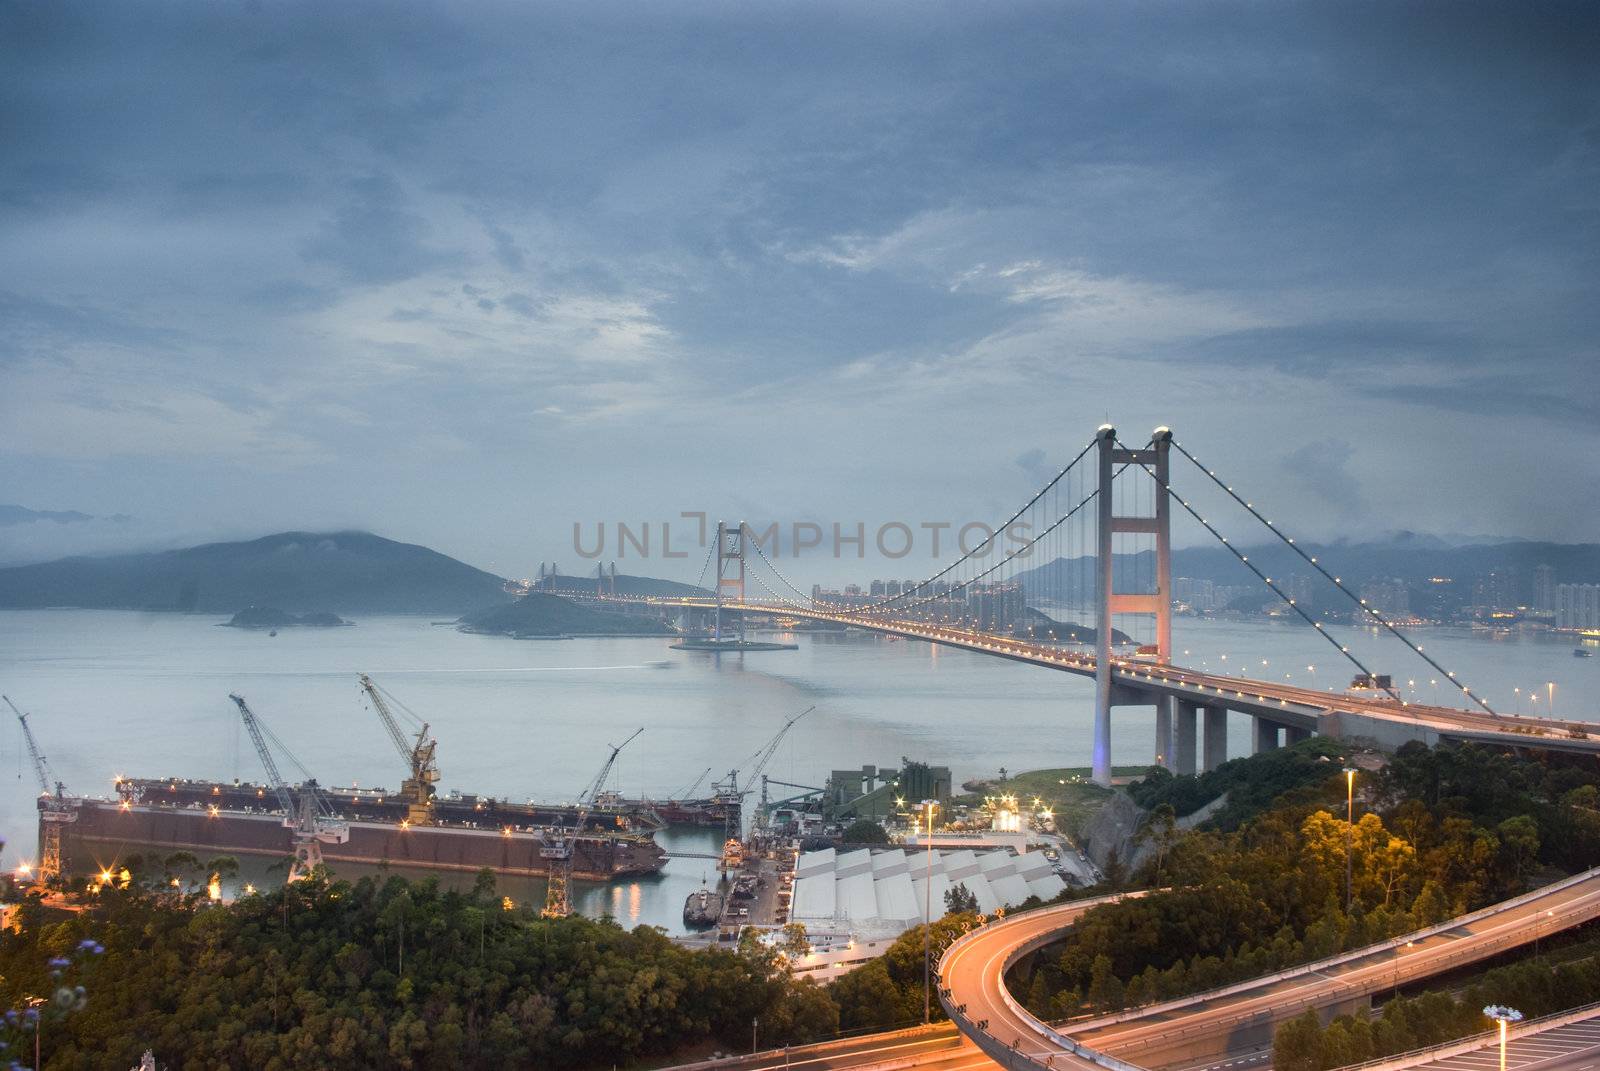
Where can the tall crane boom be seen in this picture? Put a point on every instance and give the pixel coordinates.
(55, 811)
(592, 792)
(417, 755)
(558, 848)
(386, 717)
(764, 756)
(309, 817)
(41, 767)
(274, 778)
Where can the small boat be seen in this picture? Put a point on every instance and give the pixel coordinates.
(660, 663)
(274, 632)
(1581, 652)
(702, 909)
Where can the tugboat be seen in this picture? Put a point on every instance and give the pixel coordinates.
(702, 909)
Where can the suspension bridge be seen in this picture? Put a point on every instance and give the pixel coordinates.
(1102, 526)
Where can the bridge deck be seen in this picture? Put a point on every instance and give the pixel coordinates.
(1141, 681)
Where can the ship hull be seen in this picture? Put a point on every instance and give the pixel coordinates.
(105, 831)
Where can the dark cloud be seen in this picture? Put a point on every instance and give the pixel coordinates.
(374, 237)
(1323, 468)
(972, 233)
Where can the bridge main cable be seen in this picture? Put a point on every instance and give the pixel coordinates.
(1335, 581)
(1244, 559)
(890, 601)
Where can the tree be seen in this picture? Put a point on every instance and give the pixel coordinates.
(795, 943)
(1298, 1044)
(1160, 830)
(1519, 840)
(959, 899)
(1105, 988)
(864, 831)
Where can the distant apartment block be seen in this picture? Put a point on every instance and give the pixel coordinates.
(1577, 605)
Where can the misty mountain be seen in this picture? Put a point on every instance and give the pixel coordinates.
(298, 572)
(12, 514)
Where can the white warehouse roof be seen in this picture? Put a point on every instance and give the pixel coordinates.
(881, 893)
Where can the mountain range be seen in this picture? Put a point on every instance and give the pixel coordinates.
(294, 572)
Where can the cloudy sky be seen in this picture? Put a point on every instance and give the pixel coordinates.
(465, 274)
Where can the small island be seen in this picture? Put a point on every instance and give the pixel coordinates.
(539, 616)
(270, 617)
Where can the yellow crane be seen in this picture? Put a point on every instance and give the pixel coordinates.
(417, 754)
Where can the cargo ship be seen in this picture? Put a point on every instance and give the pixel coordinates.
(463, 832)
(720, 811)
(594, 839)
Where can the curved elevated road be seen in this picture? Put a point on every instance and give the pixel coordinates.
(1238, 1018)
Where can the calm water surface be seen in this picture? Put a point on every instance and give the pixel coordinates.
(147, 695)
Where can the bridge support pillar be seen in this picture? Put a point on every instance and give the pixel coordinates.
(1184, 738)
(1216, 737)
(1293, 734)
(1266, 733)
(1164, 731)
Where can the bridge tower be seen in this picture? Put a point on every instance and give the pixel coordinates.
(730, 573)
(1157, 604)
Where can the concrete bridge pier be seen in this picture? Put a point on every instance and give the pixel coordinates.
(1266, 734)
(1216, 737)
(1164, 731)
(1183, 744)
(1293, 734)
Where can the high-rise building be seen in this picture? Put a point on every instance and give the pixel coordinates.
(1577, 605)
(1544, 589)
(1495, 590)
(1390, 597)
(1199, 595)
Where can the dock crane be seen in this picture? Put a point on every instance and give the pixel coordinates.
(558, 845)
(685, 793)
(58, 809)
(729, 791)
(417, 789)
(310, 817)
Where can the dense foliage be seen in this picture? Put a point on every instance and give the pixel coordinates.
(1252, 783)
(1407, 1023)
(1443, 831)
(887, 992)
(390, 973)
(864, 831)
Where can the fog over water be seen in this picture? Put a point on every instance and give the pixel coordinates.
(147, 695)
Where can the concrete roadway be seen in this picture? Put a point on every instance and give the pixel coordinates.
(1235, 1023)
(1568, 1047)
(1223, 1030)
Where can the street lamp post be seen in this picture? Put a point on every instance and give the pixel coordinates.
(1503, 1015)
(1349, 835)
(927, 923)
